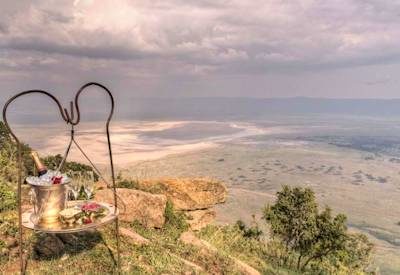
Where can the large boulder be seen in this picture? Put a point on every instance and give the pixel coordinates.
(146, 208)
(188, 194)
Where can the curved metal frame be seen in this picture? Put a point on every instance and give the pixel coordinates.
(69, 118)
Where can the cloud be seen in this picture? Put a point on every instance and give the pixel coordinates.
(145, 39)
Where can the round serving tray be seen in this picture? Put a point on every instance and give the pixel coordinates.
(59, 227)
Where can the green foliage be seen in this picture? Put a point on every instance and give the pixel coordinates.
(229, 240)
(292, 217)
(4, 134)
(130, 184)
(313, 238)
(8, 156)
(8, 199)
(356, 253)
(154, 188)
(175, 221)
(53, 162)
(8, 159)
(9, 223)
(251, 232)
(330, 237)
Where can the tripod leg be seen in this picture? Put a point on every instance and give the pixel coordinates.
(21, 256)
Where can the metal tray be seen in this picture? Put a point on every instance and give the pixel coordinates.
(59, 227)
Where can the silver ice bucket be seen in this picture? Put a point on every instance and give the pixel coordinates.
(48, 201)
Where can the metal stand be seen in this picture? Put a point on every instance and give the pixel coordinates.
(69, 118)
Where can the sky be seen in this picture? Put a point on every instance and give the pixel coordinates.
(194, 48)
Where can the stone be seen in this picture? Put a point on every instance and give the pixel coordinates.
(198, 219)
(188, 194)
(135, 205)
(49, 246)
(133, 237)
(70, 239)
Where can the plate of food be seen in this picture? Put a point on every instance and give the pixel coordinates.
(86, 213)
(77, 216)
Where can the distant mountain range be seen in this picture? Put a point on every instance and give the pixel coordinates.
(218, 108)
(253, 108)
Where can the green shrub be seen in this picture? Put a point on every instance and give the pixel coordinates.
(9, 223)
(130, 184)
(8, 198)
(174, 221)
(251, 232)
(8, 157)
(229, 240)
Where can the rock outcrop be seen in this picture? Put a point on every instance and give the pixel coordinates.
(146, 208)
(195, 197)
(188, 194)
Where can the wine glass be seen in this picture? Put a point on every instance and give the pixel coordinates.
(75, 185)
(88, 184)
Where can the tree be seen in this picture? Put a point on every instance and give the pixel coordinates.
(357, 252)
(330, 237)
(292, 218)
(313, 236)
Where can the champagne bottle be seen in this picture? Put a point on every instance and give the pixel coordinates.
(41, 168)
